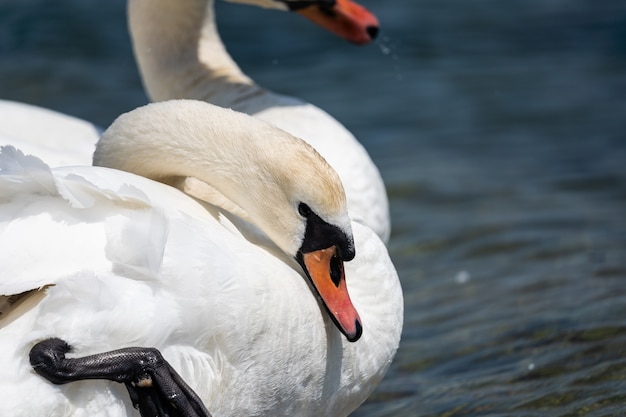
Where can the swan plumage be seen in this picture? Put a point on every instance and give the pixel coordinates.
(105, 259)
(58, 139)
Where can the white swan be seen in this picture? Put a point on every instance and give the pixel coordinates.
(180, 55)
(105, 259)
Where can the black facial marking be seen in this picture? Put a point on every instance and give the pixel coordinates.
(322, 235)
(329, 11)
(295, 5)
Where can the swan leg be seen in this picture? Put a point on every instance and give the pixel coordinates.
(155, 388)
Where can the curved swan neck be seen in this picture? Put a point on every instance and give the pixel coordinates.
(180, 53)
(263, 170)
(166, 143)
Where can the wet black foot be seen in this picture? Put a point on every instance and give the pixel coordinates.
(153, 385)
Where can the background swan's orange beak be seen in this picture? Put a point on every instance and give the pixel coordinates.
(345, 18)
(326, 272)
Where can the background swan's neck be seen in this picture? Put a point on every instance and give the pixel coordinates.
(180, 53)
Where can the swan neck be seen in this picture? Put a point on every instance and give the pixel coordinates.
(239, 156)
(172, 148)
(180, 53)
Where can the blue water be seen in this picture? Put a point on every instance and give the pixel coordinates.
(500, 131)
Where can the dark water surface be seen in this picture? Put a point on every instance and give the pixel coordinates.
(500, 130)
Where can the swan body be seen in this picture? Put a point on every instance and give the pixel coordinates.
(106, 259)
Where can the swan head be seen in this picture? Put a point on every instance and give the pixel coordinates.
(282, 184)
(299, 201)
(315, 229)
(344, 18)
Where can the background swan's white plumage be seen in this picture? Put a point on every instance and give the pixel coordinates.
(57, 138)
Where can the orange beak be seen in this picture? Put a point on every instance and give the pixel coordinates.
(346, 19)
(325, 269)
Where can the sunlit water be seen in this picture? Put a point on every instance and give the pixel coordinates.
(500, 131)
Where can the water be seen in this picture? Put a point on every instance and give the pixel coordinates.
(500, 131)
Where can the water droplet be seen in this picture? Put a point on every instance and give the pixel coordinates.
(384, 49)
(462, 277)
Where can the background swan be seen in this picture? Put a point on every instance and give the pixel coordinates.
(180, 55)
(135, 262)
(59, 139)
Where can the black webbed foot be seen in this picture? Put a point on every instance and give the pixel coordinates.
(155, 388)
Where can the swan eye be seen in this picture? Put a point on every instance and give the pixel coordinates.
(304, 210)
